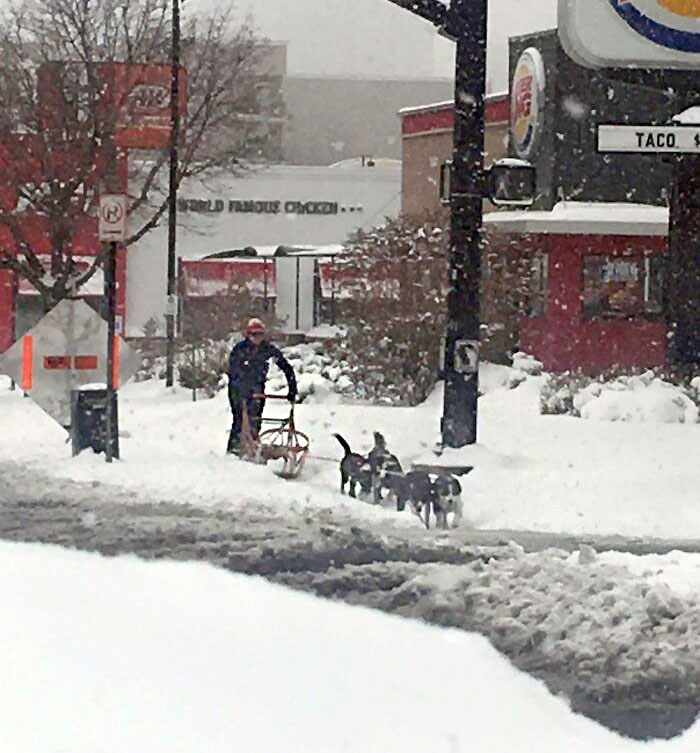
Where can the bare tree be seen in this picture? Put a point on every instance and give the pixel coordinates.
(64, 110)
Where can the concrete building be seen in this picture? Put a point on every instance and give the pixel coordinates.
(426, 140)
(281, 205)
(334, 118)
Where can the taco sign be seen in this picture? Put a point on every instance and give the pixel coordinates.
(631, 33)
(527, 102)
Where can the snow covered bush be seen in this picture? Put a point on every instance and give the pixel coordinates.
(694, 390)
(558, 392)
(317, 375)
(524, 366)
(151, 348)
(200, 366)
(527, 364)
(627, 397)
(393, 283)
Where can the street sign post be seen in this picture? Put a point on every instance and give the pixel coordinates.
(644, 139)
(112, 228)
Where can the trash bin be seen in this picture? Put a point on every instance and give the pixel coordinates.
(89, 420)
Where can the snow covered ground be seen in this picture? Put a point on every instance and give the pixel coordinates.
(125, 635)
(124, 656)
(532, 472)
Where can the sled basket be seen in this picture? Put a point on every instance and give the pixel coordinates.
(283, 443)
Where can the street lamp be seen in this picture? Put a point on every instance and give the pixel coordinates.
(171, 309)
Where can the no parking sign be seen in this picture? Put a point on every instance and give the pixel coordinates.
(112, 224)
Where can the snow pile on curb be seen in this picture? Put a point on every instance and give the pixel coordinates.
(610, 628)
(636, 398)
(644, 397)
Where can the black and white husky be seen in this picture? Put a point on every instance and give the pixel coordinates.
(424, 493)
(355, 470)
(384, 466)
(447, 499)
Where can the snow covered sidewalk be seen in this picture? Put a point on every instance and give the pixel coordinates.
(532, 472)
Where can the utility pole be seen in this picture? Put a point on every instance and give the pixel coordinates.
(172, 192)
(682, 278)
(464, 22)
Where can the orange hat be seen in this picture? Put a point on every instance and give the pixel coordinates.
(255, 325)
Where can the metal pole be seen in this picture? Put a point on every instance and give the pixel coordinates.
(172, 191)
(296, 300)
(467, 24)
(333, 291)
(682, 273)
(265, 304)
(111, 449)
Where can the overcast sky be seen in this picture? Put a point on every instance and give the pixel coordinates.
(377, 38)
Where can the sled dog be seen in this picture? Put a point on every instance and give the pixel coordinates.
(354, 470)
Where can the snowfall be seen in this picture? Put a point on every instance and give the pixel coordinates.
(122, 655)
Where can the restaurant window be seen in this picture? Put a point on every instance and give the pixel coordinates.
(537, 292)
(621, 287)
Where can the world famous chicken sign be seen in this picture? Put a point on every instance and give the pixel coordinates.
(631, 33)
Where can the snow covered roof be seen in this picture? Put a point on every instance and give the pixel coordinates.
(426, 108)
(583, 218)
(448, 103)
(269, 251)
(378, 163)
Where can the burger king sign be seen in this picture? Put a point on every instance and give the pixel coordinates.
(527, 102)
(631, 33)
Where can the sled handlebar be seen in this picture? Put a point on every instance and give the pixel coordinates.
(263, 396)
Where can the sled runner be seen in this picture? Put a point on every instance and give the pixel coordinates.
(282, 443)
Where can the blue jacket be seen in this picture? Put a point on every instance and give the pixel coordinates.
(248, 365)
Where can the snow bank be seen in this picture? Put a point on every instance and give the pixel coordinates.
(620, 631)
(636, 398)
(124, 656)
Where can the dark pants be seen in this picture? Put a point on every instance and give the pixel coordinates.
(254, 408)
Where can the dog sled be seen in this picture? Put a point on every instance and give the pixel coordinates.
(284, 442)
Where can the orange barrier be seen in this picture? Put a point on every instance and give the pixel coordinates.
(27, 362)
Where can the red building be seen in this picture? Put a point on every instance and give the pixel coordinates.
(595, 291)
(20, 303)
(594, 297)
(31, 160)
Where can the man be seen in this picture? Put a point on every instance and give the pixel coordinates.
(247, 372)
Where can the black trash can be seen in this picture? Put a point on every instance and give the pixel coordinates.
(89, 421)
